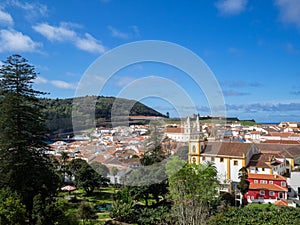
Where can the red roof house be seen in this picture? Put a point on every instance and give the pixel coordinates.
(266, 188)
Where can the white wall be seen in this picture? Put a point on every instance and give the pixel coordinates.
(234, 170)
(294, 183)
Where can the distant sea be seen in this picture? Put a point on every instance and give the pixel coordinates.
(269, 123)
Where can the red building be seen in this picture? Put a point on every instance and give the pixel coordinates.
(266, 188)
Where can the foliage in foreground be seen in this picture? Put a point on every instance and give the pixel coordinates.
(12, 211)
(24, 168)
(257, 214)
(193, 191)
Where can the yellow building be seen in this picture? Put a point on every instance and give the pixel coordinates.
(227, 157)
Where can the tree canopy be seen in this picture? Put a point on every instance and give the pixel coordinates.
(193, 191)
(24, 168)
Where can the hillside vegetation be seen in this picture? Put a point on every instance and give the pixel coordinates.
(59, 111)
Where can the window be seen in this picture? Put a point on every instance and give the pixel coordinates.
(203, 158)
(272, 193)
(255, 181)
(283, 184)
(194, 148)
(194, 160)
(252, 197)
(263, 169)
(235, 162)
(270, 182)
(262, 192)
(263, 181)
(221, 159)
(212, 159)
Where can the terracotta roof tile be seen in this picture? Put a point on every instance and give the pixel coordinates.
(272, 187)
(281, 203)
(174, 130)
(291, 142)
(258, 164)
(234, 149)
(266, 176)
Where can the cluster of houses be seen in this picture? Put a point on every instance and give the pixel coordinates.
(272, 164)
(271, 153)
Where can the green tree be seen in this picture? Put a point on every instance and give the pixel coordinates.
(123, 208)
(12, 211)
(174, 165)
(100, 168)
(88, 179)
(75, 165)
(243, 184)
(22, 123)
(86, 212)
(150, 180)
(263, 214)
(64, 156)
(159, 215)
(194, 193)
(24, 167)
(153, 149)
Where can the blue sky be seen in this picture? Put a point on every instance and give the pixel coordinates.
(252, 47)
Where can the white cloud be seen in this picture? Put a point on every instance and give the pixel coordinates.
(118, 34)
(32, 10)
(63, 33)
(11, 40)
(231, 7)
(6, 18)
(41, 80)
(53, 33)
(133, 33)
(289, 11)
(89, 44)
(63, 85)
(57, 83)
(136, 31)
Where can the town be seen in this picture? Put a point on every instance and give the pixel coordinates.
(270, 152)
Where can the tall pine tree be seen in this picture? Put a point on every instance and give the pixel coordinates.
(21, 120)
(23, 166)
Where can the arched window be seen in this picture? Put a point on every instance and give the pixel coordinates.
(194, 148)
(193, 160)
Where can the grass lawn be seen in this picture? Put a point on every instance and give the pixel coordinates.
(100, 197)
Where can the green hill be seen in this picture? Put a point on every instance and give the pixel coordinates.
(59, 111)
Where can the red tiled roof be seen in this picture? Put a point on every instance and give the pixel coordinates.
(272, 187)
(266, 176)
(281, 203)
(287, 150)
(259, 164)
(174, 130)
(231, 149)
(292, 142)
